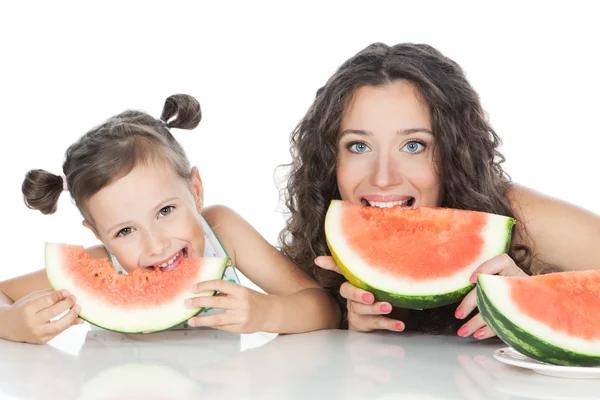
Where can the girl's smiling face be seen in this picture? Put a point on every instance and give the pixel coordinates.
(149, 217)
(385, 150)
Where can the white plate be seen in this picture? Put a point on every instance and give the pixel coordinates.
(510, 356)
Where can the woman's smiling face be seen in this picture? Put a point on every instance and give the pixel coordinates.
(385, 150)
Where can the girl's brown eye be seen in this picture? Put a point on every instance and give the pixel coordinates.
(124, 232)
(166, 210)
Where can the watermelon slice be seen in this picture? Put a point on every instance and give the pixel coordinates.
(413, 258)
(140, 302)
(551, 318)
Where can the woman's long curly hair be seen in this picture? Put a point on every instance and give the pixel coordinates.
(470, 170)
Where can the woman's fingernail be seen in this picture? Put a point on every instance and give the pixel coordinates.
(194, 287)
(479, 334)
(386, 308)
(65, 293)
(473, 278)
(77, 308)
(368, 298)
(191, 322)
(460, 314)
(399, 326)
(464, 331)
(188, 302)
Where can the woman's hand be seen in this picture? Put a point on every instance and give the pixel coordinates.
(364, 314)
(501, 265)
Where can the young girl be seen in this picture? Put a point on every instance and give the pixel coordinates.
(137, 192)
(402, 125)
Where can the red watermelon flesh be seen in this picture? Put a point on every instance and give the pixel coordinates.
(142, 301)
(435, 242)
(413, 258)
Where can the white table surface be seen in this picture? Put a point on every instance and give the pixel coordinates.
(209, 364)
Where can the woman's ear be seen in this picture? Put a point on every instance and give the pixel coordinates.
(197, 190)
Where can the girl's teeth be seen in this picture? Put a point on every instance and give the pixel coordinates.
(171, 261)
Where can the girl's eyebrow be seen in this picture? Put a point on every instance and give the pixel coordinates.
(399, 132)
(170, 199)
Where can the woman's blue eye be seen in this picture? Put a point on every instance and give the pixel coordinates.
(414, 147)
(358, 147)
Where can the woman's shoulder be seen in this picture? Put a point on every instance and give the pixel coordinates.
(559, 233)
(532, 206)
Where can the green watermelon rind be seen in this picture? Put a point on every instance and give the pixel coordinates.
(526, 342)
(417, 302)
(155, 329)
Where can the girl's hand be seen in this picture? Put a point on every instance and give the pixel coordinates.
(364, 314)
(246, 310)
(28, 320)
(501, 265)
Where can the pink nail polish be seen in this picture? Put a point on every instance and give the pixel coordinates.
(398, 326)
(463, 331)
(460, 314)
(386, 308)
(368, 298)
(479, 334)
(473, 278)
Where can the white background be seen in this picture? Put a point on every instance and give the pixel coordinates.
(255, 67)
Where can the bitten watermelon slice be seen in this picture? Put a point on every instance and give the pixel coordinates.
(413, 258)
(140, 302)
(551, 318)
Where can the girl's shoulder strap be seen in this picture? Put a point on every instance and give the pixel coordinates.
(113, 260)
(214, 248)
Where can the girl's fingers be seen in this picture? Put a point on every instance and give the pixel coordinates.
(53, 328)
(214, 320)
(221, 302)
(218, 285)
(55, 310)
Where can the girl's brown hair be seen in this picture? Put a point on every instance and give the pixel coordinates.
(470, 163)
(111, 151)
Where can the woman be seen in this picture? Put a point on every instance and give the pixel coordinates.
(402, 125)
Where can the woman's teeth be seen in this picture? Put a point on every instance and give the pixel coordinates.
(387, 204)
